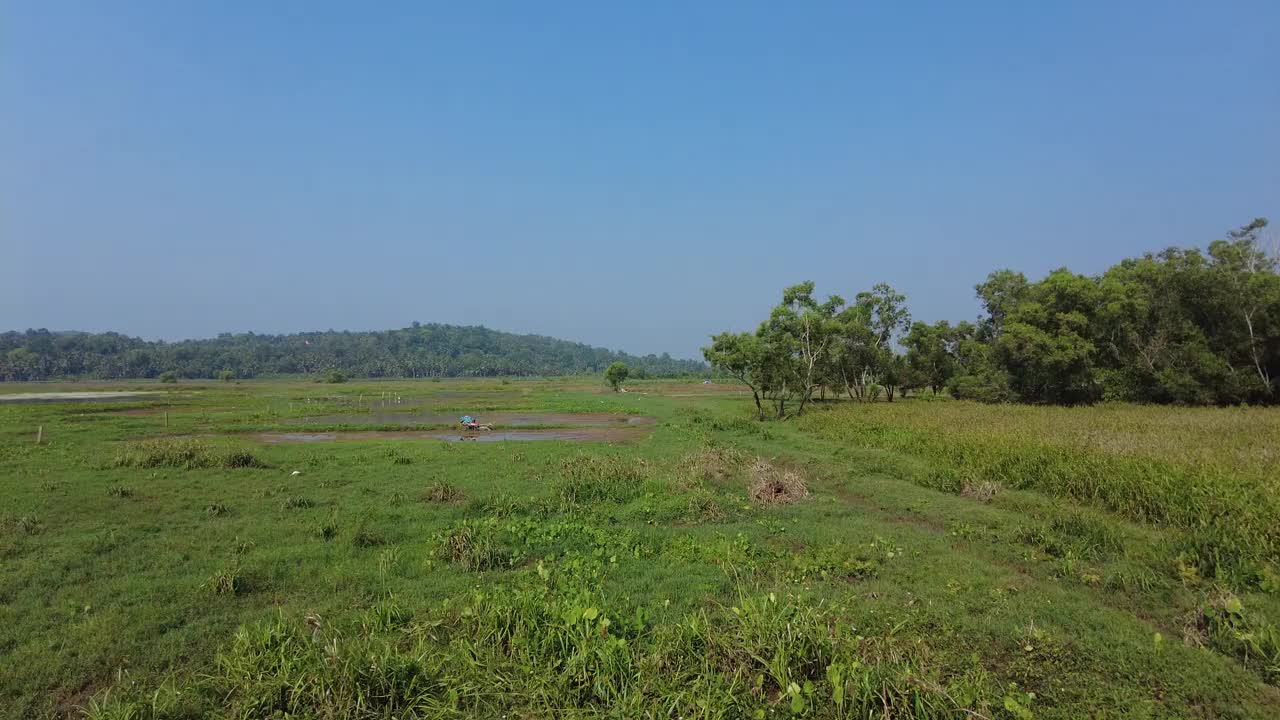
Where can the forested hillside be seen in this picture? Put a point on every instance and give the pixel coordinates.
(417, 351)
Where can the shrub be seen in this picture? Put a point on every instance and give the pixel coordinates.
(168, 376)
(226, 375)
(333, 376)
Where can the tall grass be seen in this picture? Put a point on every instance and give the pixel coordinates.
(1230, 520)
(185, 454)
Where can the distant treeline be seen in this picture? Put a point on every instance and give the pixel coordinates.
(417, 351)
(1179, 326)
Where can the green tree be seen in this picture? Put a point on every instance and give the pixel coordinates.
(740, 356)
(785, 360)
(1045, 345)
(616, 374)
(930, 361)
(863, 349)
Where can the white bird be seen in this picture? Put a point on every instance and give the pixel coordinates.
(295, 473)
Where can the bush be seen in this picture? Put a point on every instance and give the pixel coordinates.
(333, 377)
(226, 376)
(169, 376)
(988, 387)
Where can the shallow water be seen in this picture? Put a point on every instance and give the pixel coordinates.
(579, 434)
(497, 419)
(84, 396)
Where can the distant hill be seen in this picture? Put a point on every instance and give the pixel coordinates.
(418, 351)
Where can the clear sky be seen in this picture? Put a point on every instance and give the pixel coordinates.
(633, 175)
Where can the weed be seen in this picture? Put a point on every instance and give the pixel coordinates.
(216, 509)
(119, 491)
(1233, 630)
(829, 563)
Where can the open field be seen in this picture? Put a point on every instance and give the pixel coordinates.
(161, 558)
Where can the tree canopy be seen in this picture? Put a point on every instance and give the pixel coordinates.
(1179, 326)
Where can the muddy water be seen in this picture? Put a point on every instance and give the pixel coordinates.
(496, 419)
(580, 434)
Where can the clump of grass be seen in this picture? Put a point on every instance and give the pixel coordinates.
(328, 529)
(119, 491)
(441, 491)
(591, 478)
(771, 485)
(704, 507)
(717, 465)
(185, 454)
(227, 580)
(982, 490)
(366, 537)
(29, 524)
(384, 616)
(216, 509)
(471, 547)
(297, 503)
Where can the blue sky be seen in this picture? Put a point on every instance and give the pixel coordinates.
(634, 175)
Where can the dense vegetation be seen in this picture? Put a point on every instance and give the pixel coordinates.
(417, 351)
(1180, 326)
(921, 559)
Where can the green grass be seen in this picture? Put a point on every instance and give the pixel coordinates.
(928, 560)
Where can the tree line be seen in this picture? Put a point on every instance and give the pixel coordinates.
(429, 350)
(1183, 325)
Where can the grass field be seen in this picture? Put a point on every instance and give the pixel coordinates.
(927, 559)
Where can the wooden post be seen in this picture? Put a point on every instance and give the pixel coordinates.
(166, 418)
(39, 434)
